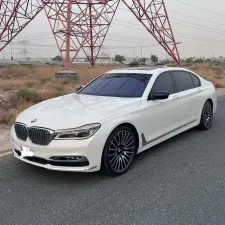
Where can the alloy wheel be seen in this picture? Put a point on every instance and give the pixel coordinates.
(207, 115)
(121, 151)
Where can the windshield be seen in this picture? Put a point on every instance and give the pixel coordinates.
(129, 85)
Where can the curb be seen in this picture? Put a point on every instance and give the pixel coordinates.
(222, 93)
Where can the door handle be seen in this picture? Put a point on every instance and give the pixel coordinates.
(175, 96)
(199, 90)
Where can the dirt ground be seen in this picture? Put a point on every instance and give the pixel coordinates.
(4, 135)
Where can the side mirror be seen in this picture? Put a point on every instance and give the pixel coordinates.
(79, 88)
(159, 95)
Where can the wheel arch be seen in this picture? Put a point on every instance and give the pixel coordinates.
(207, 99)
(210, 100)
(131, 126)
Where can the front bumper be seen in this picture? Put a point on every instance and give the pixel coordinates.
(58, 168)
(90, 149)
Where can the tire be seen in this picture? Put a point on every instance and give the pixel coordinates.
(207, 116)
(119, 151)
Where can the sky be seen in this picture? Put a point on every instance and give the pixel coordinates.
(199, 26)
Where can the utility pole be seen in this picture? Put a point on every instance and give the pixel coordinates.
(11, 52)
(68, 30)
(24, 50)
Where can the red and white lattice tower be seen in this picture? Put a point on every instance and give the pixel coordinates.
(82, 25)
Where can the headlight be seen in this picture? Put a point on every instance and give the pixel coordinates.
(83, 132)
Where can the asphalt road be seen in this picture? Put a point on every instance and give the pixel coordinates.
(181, 181)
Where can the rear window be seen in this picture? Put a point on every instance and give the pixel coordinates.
(196, 80)
(118, 85)
(183, 80)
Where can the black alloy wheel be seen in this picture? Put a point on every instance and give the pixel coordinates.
(207, 116)
(119, 151)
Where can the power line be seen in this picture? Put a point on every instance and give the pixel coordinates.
(198, 28)
(135, 41)
(202, 38)
(117, 40)
(196, 7)
(198, 18)
(222, 31)
(217, 30)
(190, 15)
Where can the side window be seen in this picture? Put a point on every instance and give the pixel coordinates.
(164, 82)
(196, 80)
(183, 80)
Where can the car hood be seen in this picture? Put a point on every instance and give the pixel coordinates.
(74, 110)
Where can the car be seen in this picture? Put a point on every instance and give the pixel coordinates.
(116, 116)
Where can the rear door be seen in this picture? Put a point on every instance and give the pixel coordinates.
(187, 88)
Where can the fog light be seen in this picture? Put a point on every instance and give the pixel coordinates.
(66, 158)
(73, 157)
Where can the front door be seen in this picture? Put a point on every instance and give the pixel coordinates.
(159, 117)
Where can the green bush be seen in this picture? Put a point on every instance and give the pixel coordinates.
(60, 93)
(134, 63)
(29, 94)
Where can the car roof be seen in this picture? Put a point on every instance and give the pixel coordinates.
(146, 70)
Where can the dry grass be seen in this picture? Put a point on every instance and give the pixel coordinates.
(215, 74)
(23, 86)
(27, 85)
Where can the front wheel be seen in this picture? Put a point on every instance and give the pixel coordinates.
(207, 116)
(119, 151)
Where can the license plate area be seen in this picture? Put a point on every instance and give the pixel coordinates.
(26, 152)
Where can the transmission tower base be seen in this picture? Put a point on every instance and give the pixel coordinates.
(66, 74)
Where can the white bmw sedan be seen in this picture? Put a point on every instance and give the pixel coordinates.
(116, 116)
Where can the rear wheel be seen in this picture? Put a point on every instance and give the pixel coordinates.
(207, 116)
(119, 151)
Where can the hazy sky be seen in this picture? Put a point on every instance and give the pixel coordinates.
(203, 35)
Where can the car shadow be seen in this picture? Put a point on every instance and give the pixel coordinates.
(26, 169)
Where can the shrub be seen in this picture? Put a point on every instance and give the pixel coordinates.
(199, 60)
(60, 93)
(119, 58)
(15, 72)
(29, 94)
(154, 58)
(134, 63)
(65, 81)
(58, 87)
(44, 80)
(31, 84)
